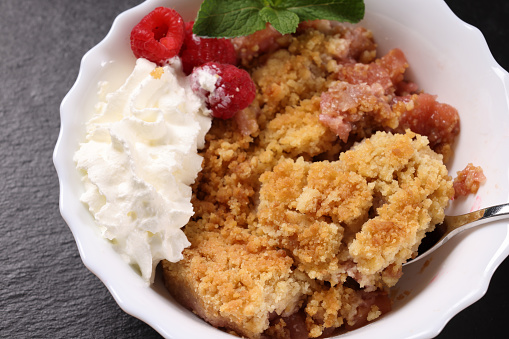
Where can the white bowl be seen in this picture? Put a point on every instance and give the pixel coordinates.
(447, 57)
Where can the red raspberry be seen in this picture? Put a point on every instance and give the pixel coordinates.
(197, 51)
(158, 36)
(233, 90)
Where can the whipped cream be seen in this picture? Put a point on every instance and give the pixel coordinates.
(139, 160)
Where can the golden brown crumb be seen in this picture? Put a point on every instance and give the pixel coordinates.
(373, 313)
(157, 73)
(416, 188)
(235, 284)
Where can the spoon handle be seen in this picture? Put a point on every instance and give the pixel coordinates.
(458, 223)
(453, 225)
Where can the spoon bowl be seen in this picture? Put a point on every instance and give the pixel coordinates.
(454, 225)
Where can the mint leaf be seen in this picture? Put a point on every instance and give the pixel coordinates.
(232, 18)
(338, 10)
(284, 21)
(227, 19)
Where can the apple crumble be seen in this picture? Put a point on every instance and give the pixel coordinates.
(312, 198)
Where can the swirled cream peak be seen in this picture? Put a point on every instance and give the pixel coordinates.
(140, 158)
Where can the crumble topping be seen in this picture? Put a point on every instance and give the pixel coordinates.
(306, 208)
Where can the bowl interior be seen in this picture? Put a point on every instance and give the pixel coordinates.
(447, 58)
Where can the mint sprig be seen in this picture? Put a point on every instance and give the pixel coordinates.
(233, 18)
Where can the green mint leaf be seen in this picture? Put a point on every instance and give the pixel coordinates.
(284, 21)
(274, 3)
(232, 18)
(227, 19)
(338, 10)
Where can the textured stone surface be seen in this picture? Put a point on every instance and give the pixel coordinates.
(45, 290)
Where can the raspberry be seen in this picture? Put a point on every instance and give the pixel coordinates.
(197, 51)
(158, 36)
(232, 91)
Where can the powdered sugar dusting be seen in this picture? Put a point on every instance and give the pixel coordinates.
(207, 78)
(219, 97)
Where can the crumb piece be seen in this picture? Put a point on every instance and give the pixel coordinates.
(157, 73)
(416, 188)
(374, 313)
(231, 286)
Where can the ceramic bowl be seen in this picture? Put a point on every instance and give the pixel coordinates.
(448, 58)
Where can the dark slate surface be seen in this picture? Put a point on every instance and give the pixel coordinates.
(45, 290)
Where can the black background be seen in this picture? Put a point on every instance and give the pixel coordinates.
(45, 290)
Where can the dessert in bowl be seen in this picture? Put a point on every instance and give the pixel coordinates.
(439, 66)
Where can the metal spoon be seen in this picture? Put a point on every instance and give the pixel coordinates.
(453, 225)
